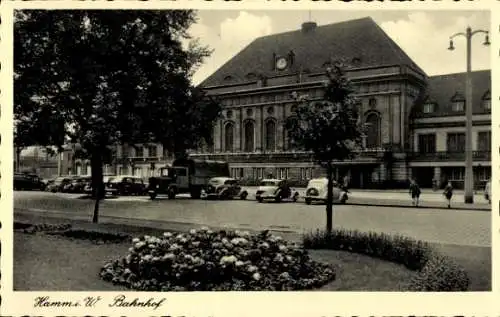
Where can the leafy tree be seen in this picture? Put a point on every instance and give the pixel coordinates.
(106, 78)
(328, 128)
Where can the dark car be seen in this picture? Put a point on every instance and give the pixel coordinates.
(88, 184)
(57, 184)
(24, 181)
(76, 185)
(223, 188)
(126, 185)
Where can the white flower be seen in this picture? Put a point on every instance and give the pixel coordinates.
(127, 271)
(245, 234)
(204, 228)
(179, 236)
(147, 237)
(130, 249)
(282, 247)
(252, 268)
(192, 231)
(167, 234)
(225, 241)
(265, 245)
(228, 259)
(151, 246)
(210, 231)
(139, 245)
(135, 240)
(278, 258)
(239, 263)
(169, 256)
(256, 276)
(147, 257)
(183, 240)
(174, 246)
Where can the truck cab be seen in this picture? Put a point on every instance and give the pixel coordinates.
(186, 176)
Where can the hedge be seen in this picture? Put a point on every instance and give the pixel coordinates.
(435, 271)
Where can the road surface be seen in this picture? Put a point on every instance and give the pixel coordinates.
(459, 227)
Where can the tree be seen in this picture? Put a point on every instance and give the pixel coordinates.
(108, 77)
(328, 127)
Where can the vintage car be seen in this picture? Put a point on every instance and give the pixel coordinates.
(275, 189)
(76, 185)
(223, 188)
(125, 185)
(88, 186)
(27, 181)
(317, 191)
(57, 184)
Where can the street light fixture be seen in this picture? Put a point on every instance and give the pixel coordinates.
(469, 173)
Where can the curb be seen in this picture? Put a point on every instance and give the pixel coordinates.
(421, 207)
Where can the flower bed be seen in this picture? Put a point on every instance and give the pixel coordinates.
(209, 261)
(436, 272)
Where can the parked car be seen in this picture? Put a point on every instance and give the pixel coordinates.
(317, 191)
(275, 189)
(223, 188)
(57, 184)
(125, 185)
(76, 185)
(88, 186)
(487, 191)
(25, 181)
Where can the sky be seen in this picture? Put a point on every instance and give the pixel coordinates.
(423, 35)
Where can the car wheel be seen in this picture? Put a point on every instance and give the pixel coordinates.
(308, 201)
(278, 198)
(243, 195)
(171, 194)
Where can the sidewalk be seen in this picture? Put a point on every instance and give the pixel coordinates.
(401, 199)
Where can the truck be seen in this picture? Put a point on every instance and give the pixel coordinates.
(186, 176)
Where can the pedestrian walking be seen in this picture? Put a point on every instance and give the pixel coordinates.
(414, 192)
(448, 193)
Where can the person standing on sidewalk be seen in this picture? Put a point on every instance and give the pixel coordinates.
(448, 193)
(414, 192)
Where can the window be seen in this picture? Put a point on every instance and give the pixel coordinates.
(456, 174)
(152, 151)
(484, 141)
(482, 173)
(282, 173)
(458, 106)
(249, 136)
(372, 103)
(426, 143)
(428, 108)
(486, 101)
(228, 137)
(237, 173)
(270, 135)
(137, 172)
(139, 151)
(258, 173)
(305, 173)
(456, 142)
(373, 131)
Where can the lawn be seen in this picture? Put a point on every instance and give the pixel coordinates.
(54, 263)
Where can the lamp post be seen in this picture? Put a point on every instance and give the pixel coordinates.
(469, 173)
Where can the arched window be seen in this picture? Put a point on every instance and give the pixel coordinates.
(249, 136)
(228, 137)
(270, 135)
(372, 130)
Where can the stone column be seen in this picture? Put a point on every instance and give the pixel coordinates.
(218, 137)
(437, 174)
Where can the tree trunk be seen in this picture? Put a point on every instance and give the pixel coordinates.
(97, 183)
(329, 198)
(18, 159)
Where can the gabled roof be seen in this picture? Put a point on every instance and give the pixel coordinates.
(361, 42)
(443, 89)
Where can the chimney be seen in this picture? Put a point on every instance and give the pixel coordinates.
(308, 26)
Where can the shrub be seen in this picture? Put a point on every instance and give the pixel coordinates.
(28, 228)
(209, 261)
(436, 272)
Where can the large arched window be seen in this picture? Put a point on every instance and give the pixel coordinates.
(373, 130)
(249, 136)
(270, 135)
(228, 137)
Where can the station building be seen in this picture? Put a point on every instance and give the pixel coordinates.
(415, 123)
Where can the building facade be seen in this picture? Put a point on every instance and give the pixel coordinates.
(415, 123)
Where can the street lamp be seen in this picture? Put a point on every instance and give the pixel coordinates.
(469, 174)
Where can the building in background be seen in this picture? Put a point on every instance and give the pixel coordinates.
(415, 123)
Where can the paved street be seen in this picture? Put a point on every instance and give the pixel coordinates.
(460, 227)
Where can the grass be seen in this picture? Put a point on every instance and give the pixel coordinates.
(54, 263)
